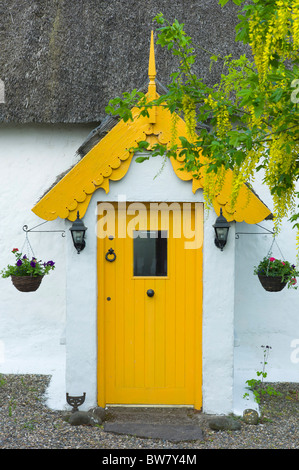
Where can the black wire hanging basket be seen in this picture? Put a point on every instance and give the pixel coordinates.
(26, 283)
(27, 273)
(274, 274)
(272, 284)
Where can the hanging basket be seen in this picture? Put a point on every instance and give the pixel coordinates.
(272, 284)
(26, 283)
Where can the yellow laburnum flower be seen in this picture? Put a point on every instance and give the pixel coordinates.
(281, 162)
(297, 247)
(295, 29)
(223, 122)
(174, 130)
(189, 116)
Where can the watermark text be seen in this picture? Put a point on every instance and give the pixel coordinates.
(178, 220)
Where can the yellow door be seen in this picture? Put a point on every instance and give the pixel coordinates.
(149, 303)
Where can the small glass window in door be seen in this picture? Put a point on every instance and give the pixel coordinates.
(150, 253)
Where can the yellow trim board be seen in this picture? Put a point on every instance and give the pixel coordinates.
(110, 160)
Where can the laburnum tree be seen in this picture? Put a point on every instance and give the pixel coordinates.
(249, 120)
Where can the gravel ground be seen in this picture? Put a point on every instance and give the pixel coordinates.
(27, 423)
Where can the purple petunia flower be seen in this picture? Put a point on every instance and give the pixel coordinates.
(50, 263)
(19, 262)
(32, 264)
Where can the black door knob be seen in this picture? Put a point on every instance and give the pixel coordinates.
(150, 292)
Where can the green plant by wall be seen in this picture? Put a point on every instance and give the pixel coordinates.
(256, 386)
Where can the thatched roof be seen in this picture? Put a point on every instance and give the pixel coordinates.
(61, 60)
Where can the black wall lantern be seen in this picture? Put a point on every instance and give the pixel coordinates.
(78, 230)
(221, 227)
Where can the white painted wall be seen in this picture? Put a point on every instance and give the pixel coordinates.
(32, 325)
(263, 318)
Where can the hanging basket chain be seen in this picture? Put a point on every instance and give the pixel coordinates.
(270, 252)
(280, 251)
(29, 247)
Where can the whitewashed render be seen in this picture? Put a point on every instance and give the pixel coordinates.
(53, 331)
(32, 325)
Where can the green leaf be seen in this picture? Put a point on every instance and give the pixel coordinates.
(143, 144)
(234, 138)
(258, 110)
(141, 159)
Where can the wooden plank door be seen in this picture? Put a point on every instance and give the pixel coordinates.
(149, 306)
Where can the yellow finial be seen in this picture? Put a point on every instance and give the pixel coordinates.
(152, 76)
(152, 63)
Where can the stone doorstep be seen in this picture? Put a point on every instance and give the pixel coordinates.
(167, 432)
